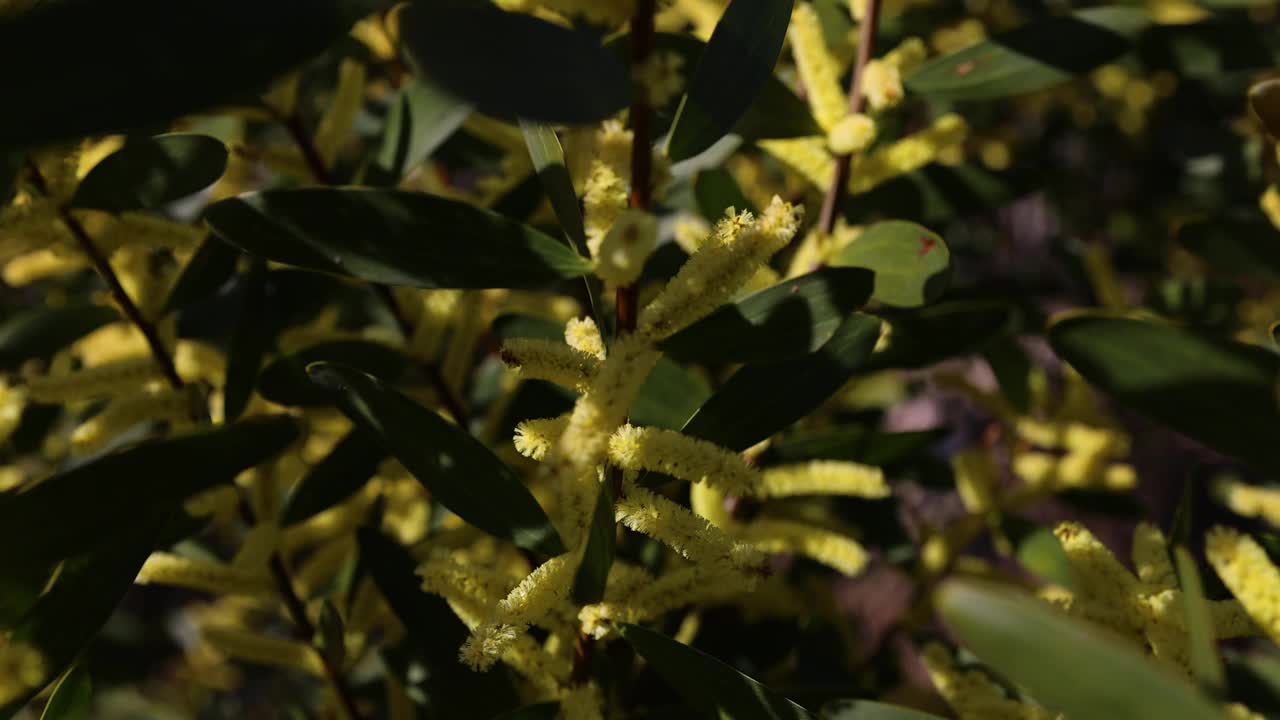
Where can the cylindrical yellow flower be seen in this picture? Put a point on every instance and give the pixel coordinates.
(823, 477)
(834, 550)
(177, 571)
(678, 528)
(818, 69)
(1245, 568)
(538, 359)
(113, 378)
(681, 456)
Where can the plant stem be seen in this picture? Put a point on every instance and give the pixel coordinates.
(642, 41)
(118, 293)
(857, 103)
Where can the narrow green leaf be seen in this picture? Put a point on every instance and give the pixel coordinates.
(285, 381)
(912, 264)
(249, 344)
(137, 63)
(669, 396)
(932, 334)
(791, 318)
(346, 469)
(71, 698)
(1012, 368)
(716, 191)
(1035, 56)
(514, 65)
(1216, 391)
(42, 331)
(738, 60)
(1038, 647)
(421, 119)
(461, 473)
(593, 571)
(330, 635)
(759, 400)
(1206, 666)
(149, 173)
(1246, 246)
(548, 161)
(707, 683)
(209, 269)
(393, 237)
(868, 710)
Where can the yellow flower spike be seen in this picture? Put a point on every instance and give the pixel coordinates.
(675, 526)
(852, 134)
(908, 55)
(976, 479)
(477, 584)
(257, 648)
(546, 672)
(438, 307)
(660, 77)
(335, 124)
(581, 702)
(841, 553)
(908, 154)
(1151, 558)
(882, 85)
(1270, 203)
(807, 156)
(535, 437)
(817, 68)
(620, 256)
(177, 571)
(823, 477)
(538, 359)
(582, 335)
(971, 693)
(1099, 573)
(470, 321)
(38, 265)
(682, 456)
(718, 270)
(1247, 571)
(694, 585)
(1253, 501)
(174, 406)
(22, 669)
(604, 407)
(486, 645)
(13, 400)
(541, 592)
(109, 379)
(708, 501)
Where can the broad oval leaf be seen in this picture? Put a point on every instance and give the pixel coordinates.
(1247, 246)
(1066, 664)
(71, 696)
(1035, 56)
(707, 683)
(1218, 392)
(464, 475)
(734, 67)
(394, 238)
(347, 467)
(134, 63)
(759, 400)
(42, 331)
(285, 381)
(868, 710)
(514, 65)
(149, 173)
(912, 264)
(791, 318)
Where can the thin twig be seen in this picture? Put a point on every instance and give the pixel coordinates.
(108, 274)
(857, 103)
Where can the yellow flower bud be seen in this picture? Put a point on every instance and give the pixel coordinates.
(852, 134)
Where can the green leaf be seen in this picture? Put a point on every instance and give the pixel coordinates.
(285, 380)
(461, 473)
(735, 65)
(342, 472)
(72, 697)
(669, 396)
(911, 263)
(593, 571)
(1035, 56)
(856, 443)
(514, 65)
(209, 269)
(708, 684)
(932, 334)
(1037, 647)
(1012, 368)
(42, 331)
(1038, 550)
(791, 318)
(249, 344)
(868, 710)
(137, 63)
(715, 191)
(548, 160)
(1218, 392)
(759, 400)
(937, 193)
(422, 118)
(1246, 246)
(393, 237)
(1264, 102)
(149, 173)
(1206, 666)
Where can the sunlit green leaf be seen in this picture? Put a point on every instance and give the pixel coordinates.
(912, 264)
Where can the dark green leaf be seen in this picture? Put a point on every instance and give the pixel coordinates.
(593, 571)
(1218, 392)
(1206, 666)
(759, 400)
(937, 193)
(1012, 368)
(421, 119)
(548, 161)
(330, 635)
(669, 396)
(1247, 246)
(462, 474)
(285, 380)
(149, 173)
(514, 65)
(1038, 550)
(791, 318)
(868, 710)
(515, 325)
(1032, 57)
(248, 344)
(42, 331)
(394, 238)
(735, 65)
(134, 63)
(707, 683)
(71, 698)
(716, 191)
(933, 334)
(209, 269)
(1036, 647)
(911, 263)
(337, 477)
(857, 444)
